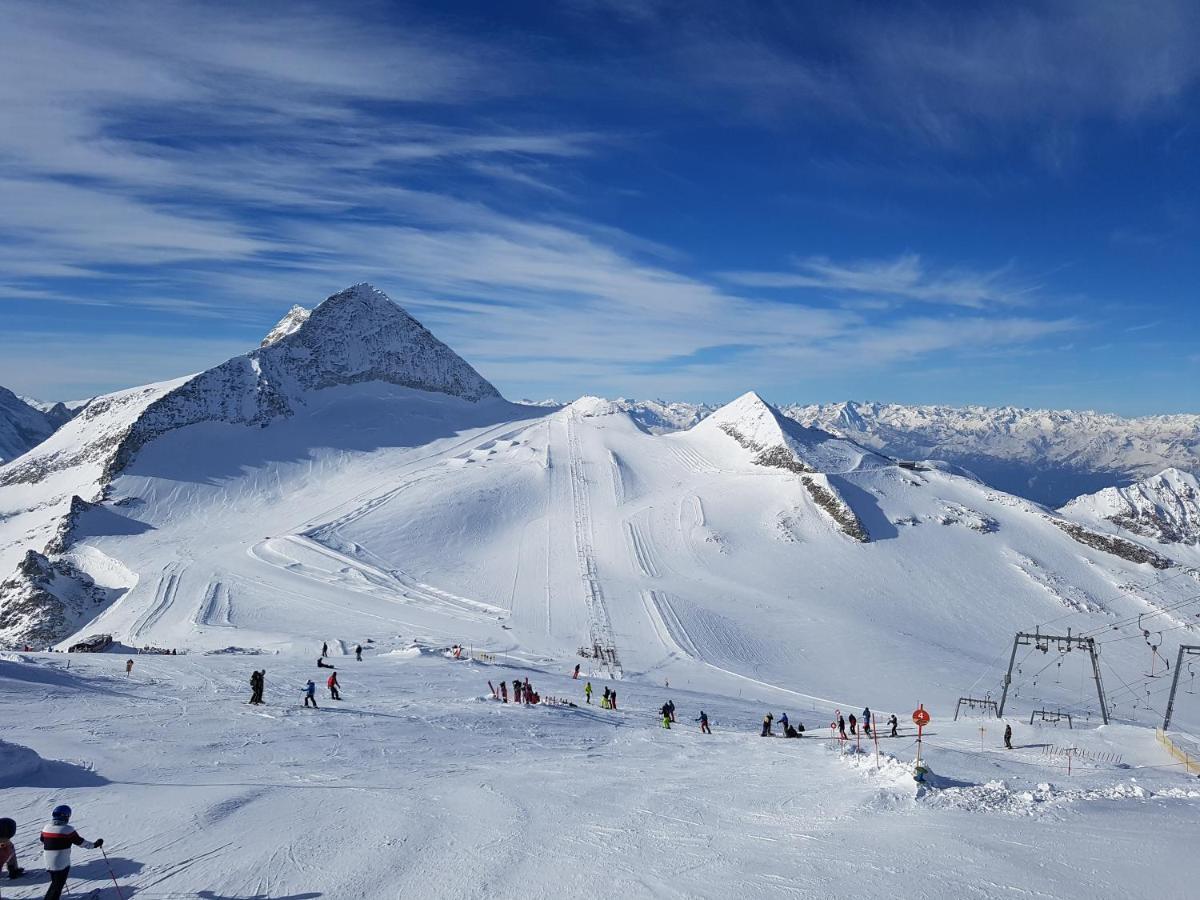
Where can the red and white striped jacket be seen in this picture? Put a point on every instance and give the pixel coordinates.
(57, 840)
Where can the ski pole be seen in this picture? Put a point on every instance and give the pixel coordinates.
(112, 874)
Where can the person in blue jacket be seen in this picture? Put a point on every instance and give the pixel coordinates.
(310, 692)
(866, 720)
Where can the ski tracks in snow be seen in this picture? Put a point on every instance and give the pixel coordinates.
(641, 549)
(667, 627)
(164, 596)
(216, 606)
(600, 626)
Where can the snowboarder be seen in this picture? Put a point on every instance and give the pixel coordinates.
(1008, 736)
(866, 721)
(57, 840)
(8, 853)
(324, 649)
(853, 724)
(128, 667)
(895, 723)
(587, 692)
(576, 675)
(503, 691)
(766, 729)
(841, 725)
(358, 652)
(671, 709)
(321, 664)
(310, 694)
(612, 699)
(704, 723)
(783, 722)
(333, 686)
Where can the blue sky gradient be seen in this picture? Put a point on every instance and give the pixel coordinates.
(686, 200)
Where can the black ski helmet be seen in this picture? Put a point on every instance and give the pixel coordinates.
(61, 813)
(7, 829)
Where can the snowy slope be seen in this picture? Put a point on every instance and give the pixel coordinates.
(1046, 455)
(22, 426)
(1164, 508)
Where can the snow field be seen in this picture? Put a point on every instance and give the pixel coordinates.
(418, 784)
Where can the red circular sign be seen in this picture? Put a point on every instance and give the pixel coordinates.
(921, 717)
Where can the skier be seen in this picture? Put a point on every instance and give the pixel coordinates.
(527, 693)
(516, 691)
(587, 692)
(766, 729)
(503, 691)
(324, 649)
(321, 664)
(841, 724)
(866, 721)
(310, 692)
(789, 731)
(57, 840)
(1008, 736)
(128, 666)
(358, 652)
(704, 723)
(853, 724)
(604, 699)
(576, 675)
(783, 722)
(333, 686)
(256, 686)
(671, 708)
(666, 715)
(8, 853)
(612, 700)
(894, 722)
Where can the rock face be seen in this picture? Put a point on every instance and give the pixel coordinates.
(1164, 507)
(22, 427)
(1045, 455)
(296, 316)
(44, 600)
(356, 335)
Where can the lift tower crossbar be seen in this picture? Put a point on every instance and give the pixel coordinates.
(1062, 643)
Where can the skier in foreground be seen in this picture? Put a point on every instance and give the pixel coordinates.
(8, 853)
(57, 839)
(333, 686)
(310, 691)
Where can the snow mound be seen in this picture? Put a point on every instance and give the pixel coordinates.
(998, 797)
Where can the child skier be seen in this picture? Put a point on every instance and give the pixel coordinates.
(310, 692)
(8, 853)
(57, 840)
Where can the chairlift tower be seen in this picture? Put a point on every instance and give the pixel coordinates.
(1064, 644)
(1184, 649)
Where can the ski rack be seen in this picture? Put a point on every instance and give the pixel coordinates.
(976, 703)
(1055, 717)
(1064, 644)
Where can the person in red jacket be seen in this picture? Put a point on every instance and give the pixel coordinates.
(333, 686)
(8, 853)
(57, 840)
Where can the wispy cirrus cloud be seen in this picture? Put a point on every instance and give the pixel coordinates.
(904, 278)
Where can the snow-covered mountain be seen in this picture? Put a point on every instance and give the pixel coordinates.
(22, 425)
(653, 416)
(1164, 507)
(1047, 455)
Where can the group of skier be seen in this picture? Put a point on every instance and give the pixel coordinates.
(309, 691)
(58, 838)
(864, 723)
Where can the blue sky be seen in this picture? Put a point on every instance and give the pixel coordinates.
(685, 200)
